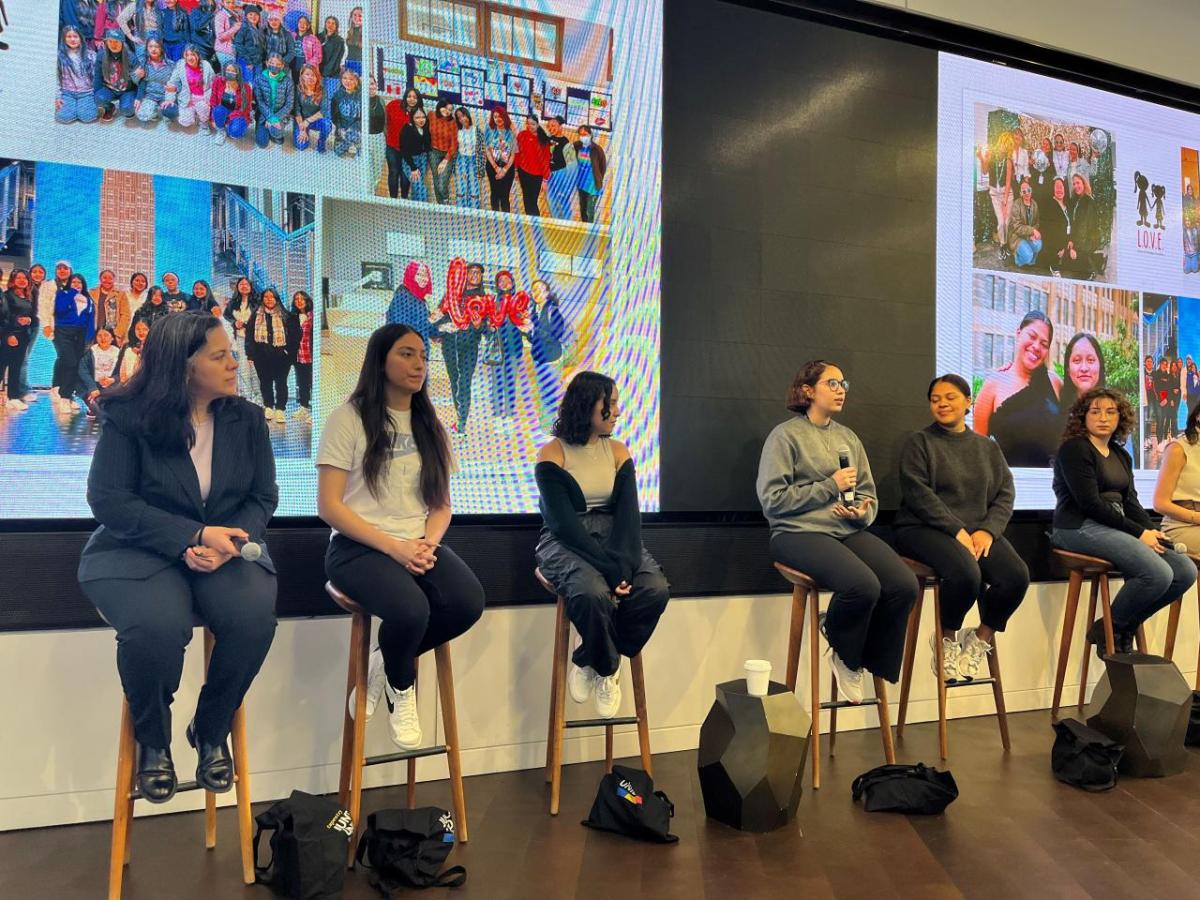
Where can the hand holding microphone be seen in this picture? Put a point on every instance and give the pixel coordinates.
(249, 550)
(845, 477)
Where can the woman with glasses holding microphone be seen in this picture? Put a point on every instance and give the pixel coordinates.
(816, 490)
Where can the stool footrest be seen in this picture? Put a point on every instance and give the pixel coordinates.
(958, 684)
(846, 704)
(181, 788)
(593, 723)
(406, 754)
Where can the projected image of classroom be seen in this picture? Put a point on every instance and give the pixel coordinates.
(511, 113)
(104, 255)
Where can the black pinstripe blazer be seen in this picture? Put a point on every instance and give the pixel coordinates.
(148, 502)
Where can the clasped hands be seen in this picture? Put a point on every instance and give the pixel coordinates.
(216, 548)
(417, 555)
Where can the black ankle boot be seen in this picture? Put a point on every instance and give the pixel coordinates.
(214, 766)
(155, 774)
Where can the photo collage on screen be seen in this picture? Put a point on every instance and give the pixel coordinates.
(309, 170)
(1074, 210)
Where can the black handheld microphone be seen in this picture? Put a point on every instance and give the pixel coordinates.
(844, 463)
(249, 550)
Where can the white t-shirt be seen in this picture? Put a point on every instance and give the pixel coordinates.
(400, 510)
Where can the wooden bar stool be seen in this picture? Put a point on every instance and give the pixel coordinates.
(558, 704)
(1173, 614)
(126, 793)
(927, 578)
(803, 586)
(354, 729)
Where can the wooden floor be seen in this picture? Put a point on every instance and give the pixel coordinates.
(1014, 832)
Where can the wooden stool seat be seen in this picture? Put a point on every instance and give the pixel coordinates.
(126, 793)
(558, 703)
(927, 578)
(354, 728)
(1082, 563)
(802, 586)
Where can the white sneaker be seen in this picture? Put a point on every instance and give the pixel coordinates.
(402, 716)
(849, 681)
(17, 405)
(376, 679)
(280, 417)
(951, 650)
(608, 695)
(269, 413)
(974, 652)
(581, 682)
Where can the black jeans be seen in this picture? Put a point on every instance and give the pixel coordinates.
(303, 385)
(461, 350)
(397, 176)
(11, 360)
(70, 343)
(531, 189)
(272, 372)
(416, 612)
(153, 619)
(609, 627)
(998, 581)
(501, 188)
(873, 593)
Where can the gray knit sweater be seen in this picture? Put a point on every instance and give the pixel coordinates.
(795, 478)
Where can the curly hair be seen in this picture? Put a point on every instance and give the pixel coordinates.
(808, 376)
(1077, 414)
(574, 422)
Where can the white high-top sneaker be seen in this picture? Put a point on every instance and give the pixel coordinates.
(376, 679)
(608, 695)
(402, 716)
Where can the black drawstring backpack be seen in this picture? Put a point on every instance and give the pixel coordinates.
(309, 840)
(1084, 757)
(627, 804)
(406, 848)
(914, 789)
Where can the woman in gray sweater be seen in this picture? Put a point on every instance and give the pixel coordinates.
(957, 498)
(819, 509)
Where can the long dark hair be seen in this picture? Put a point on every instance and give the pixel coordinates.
(159, 387)
(1069, 391)
(370, 399)
(574, 422)
(1077, 415)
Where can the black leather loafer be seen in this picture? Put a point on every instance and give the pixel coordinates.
(214, 765)
(156, 774)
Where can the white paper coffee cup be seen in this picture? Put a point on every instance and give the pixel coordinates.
(758, 677)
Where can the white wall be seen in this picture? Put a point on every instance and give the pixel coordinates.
(1157, 37)
(62, 697)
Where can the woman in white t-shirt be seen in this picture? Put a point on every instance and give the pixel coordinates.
(384, 488)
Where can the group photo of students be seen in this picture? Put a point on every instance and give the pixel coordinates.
(1045, 196)
(255, 74)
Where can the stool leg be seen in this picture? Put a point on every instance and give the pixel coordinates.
(998, 693)
(910, 654)
(210, 799)
(558, 651)
(795, 636)
(122, 806)
(445, 674)
(814, 682)
(608, 749)
(411, 793)
(1074, 585)
(559, 675)
(943, 736)
(1087, 650)
(833, 711)
(639, 705)
(241, 785)
(360, 651)
(348, 721)
(885, 721)
(1172, 627)
(1110, 641)
(1143, 645)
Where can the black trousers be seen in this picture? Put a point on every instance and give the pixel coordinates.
(416, 612)
(153, 618)
(997, 581)
(531, 189)
(272, 372)
(303, 385)
(501, 188)
(873, 593)
(70, 343)
(609, 627)
(461, 350)
(11, 360)
(397, 177)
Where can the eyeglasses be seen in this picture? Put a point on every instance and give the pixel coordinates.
(834, 385)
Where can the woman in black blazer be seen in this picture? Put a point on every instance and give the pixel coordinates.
(1098, 513)
(182, 475)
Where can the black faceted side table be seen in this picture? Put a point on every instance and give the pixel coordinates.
(752, 755)
(1143, 702)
